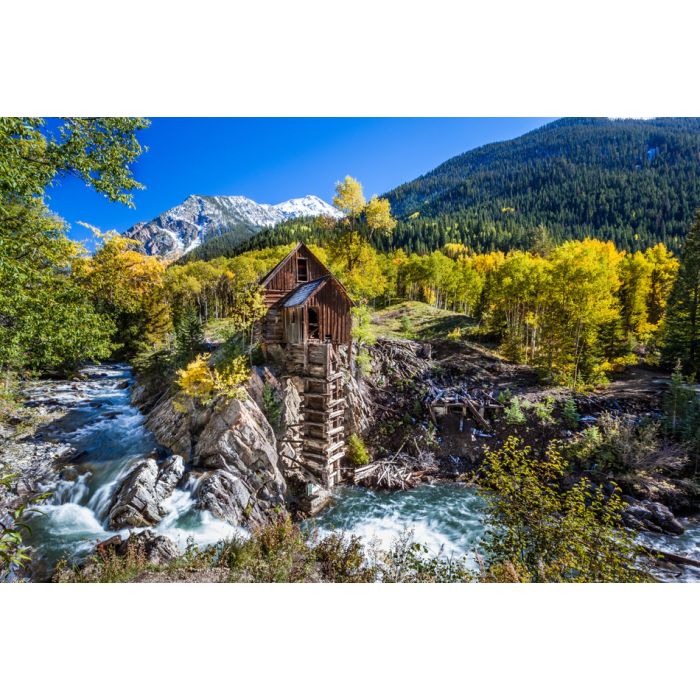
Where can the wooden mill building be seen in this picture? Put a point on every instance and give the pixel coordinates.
(305, 302)
(309, 317)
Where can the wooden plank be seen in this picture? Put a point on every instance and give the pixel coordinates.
(481, 421)
(336, 457)
(331, 415)
(319, 446)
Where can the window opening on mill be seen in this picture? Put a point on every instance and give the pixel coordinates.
(302, 270)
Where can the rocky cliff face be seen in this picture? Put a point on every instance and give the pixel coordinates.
(243, 468)
(233, 453)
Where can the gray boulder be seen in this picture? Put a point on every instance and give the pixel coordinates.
(137, 501)
(169, 474)
(238, 439)
(226, 497)
(156, 549)
(652, 516)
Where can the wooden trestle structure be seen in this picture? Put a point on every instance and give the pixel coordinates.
(322, 408)
(308, 320)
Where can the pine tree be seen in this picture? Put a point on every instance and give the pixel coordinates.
(682, 334)
(189, 336)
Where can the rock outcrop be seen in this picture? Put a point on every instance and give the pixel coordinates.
(138, 500)
(651, 516)
(155, 549)
(226, 497)
(232, 450)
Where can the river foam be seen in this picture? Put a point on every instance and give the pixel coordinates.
(108, 434)
(445, 518)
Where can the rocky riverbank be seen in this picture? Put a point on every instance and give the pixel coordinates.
(231, 450)
(179, 471)
(31, 447)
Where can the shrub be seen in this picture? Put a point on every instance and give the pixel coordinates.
(13, 553)
(229, 379)
(411, 562)
(197, 380)
(271, 406)
(569, 414)
(276, 553)
(504, 396)
(540, 533)
(280, 552)
(341, 559)
(201, 382)
(514, 413)
(361, 325)
(106, 567)
(543, 410)
(455, 333)
(357, 453)
(406, 327)
(364, 362)
(10, 401)
(623, 445)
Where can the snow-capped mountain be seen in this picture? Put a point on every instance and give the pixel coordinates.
(199, 218)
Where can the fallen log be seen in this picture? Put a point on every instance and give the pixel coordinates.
(673, 558)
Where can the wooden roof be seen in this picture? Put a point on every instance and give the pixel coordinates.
(301, 294)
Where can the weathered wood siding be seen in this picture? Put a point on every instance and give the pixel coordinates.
(273, 327)
(285, 278)
(294, 323)
(333, 307)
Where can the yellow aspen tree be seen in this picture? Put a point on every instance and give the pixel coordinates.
(349, 197)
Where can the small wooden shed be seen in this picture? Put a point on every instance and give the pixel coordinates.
(306, 303)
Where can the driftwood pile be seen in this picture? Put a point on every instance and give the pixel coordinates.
(398, 472)
(400, 359)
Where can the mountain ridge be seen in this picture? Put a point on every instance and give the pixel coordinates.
(613, 178)
(633, 182)
(199, 218)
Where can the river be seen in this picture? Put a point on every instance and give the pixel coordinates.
(108, 434)
(446, 518)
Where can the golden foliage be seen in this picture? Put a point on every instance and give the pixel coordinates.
(378, 216)
(204, 383)
(349, 197)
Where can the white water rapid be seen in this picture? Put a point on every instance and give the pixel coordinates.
(108, 435)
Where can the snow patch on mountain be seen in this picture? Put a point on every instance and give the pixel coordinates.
(199, 218)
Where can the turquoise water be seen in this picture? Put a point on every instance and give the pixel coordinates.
(446, 518)
(686, 545)
(109, 436)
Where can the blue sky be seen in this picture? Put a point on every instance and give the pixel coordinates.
(273, 159)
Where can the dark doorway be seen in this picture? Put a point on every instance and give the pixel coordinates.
(313, 323)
